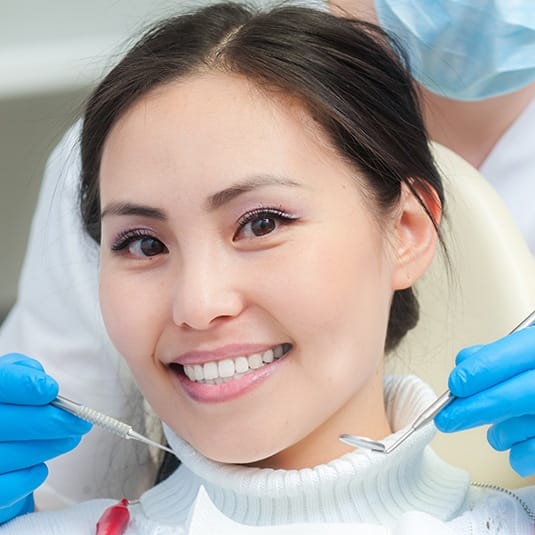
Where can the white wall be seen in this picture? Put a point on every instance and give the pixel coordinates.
(54, 44)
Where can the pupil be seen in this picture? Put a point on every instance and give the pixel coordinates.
(263, 226)
(150, 247)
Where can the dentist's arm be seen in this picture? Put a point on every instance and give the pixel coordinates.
(495, 384)
(31, 432)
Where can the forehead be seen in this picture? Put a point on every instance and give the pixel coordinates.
(212, 129)
(206, 105)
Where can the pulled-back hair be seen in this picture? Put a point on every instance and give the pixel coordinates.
(347, 74)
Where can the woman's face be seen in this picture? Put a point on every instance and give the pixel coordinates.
(243, 276)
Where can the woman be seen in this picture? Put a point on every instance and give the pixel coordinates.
(56, 318)
(264, 198)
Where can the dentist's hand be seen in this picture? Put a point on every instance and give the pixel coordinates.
(495, 384)
(31, 432)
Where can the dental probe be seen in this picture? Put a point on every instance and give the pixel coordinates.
(423, 419)
(106, 422)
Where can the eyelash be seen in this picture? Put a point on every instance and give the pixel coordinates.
(265, 211)
(124, 239)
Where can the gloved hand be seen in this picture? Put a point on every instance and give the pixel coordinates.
(31, 432)
(495, 384)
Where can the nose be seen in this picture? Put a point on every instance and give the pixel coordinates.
(208, 292)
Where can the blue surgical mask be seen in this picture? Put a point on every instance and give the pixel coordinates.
(465, 49)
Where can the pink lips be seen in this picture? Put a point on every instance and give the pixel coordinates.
(218, 393)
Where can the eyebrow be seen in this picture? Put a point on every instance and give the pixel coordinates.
(127, 208)
(213, 202)
(222, 197)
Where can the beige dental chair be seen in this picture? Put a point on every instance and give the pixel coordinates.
(490, 288)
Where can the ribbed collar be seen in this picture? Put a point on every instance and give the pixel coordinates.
(361, 486)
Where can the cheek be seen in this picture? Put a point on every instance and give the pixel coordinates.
(126, 314)
(332, 297)
(341, 281)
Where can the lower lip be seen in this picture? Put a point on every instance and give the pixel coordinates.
(231, 390)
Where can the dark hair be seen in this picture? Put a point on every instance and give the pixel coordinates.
(348, 74)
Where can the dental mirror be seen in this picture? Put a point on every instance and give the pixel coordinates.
(423, 419)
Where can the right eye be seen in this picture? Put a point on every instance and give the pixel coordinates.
(139, 245)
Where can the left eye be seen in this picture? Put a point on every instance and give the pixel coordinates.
(261, 222)
(140, 246)
(146, 247)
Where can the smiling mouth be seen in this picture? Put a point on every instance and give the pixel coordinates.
(226, 370)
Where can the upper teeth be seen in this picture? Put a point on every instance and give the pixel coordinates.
(216, 372)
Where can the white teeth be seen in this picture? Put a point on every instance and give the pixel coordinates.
(188, 370)
(226, 368)
(210, 371)
(241, 364)
(218, 372)
(199, 374)
(255, 361)
(267, 356)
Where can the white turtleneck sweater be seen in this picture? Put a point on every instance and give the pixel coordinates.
(408, 491)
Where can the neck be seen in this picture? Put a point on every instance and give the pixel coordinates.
(363, 415)
(360, 486)
(471, 129)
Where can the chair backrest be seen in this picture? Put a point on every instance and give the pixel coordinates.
(488, 288)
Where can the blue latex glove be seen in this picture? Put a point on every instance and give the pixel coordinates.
(495, 384)
(31, 432)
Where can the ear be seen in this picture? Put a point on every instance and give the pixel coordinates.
(415, 235)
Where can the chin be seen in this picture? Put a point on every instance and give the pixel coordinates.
(233, 454)
(233, 457)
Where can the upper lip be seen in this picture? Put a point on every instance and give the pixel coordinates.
(221, 353)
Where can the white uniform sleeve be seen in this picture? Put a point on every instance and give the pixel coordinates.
(56, 320)
(510, 169)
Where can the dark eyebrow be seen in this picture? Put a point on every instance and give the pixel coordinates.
(213, 202)
(224, 196)
(126, 208)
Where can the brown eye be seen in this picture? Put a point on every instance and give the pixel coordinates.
(141, 247)
(138, 244)
(261, 222)
(147, 247)
(263, 225)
